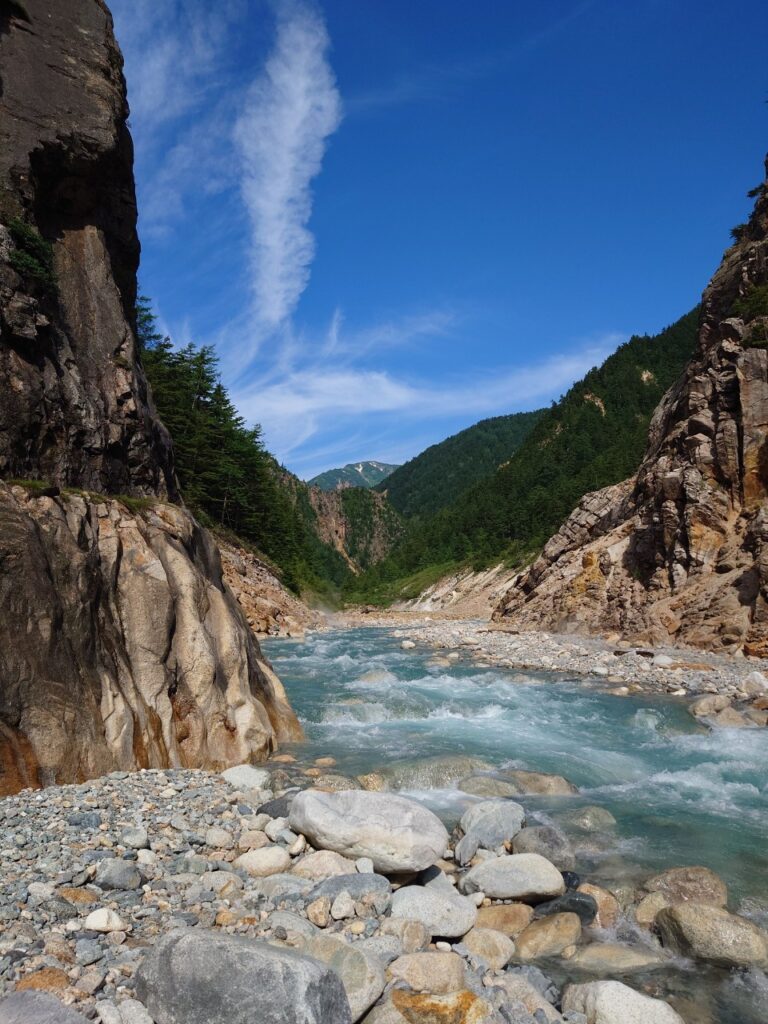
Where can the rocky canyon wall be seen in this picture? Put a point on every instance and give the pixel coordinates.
(680, 552)
(120, 644)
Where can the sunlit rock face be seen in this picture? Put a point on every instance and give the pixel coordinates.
(120, 645)
(680, 551)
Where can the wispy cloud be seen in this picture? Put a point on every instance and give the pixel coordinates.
(292, 109)
(318, 402)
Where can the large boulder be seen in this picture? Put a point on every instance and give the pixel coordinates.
(36, 1008)
(395, 833)
(449, 916)
(610, 1002)
(520, 876)
(362, 975)
(696, 884)
(712, 934)
(508, 918)
(493, 822)
(204, 977)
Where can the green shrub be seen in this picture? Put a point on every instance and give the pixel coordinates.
(753, 304)
(33, 256)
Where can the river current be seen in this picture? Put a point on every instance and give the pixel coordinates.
(680, 794)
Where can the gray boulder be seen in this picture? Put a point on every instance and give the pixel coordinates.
(493, 822)
(205, 977)
(359, 887)
(520, 876)
(713, 935)
(113, 873)
(395, 833)
(36, 1008)
(448, 916)
(361, 973)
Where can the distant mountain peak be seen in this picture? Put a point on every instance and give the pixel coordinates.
(354, 474)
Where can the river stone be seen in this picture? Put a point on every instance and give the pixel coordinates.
(488, 786)
(493, 822)
(277, 887)
(610, 1002)
(113, 873)
(36, 1008)
(429, 972)
(548, 936)
(613, 958)
(607, 905)
(245, 776)
(104, 920)
(495, 948)
(696, 884)
(540, 783)
(549, 842)
(519, 876)
(426, 773)
(359, 887)
(361, 974)
(579, 903)
(397, 834)
(135, 838)
(412, 935)
(713, 935)
(323, 864)
(519, 989)
(269, 860)
(709, 704)
(447, 916)
(292, 923)
(203, 977)
(462, 1007)
(593, 819)
(508, 918)
(648, 908)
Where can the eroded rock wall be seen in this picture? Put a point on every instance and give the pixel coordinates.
(681, 550)
(120, 644)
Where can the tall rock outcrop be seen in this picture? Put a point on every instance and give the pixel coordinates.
(120, 644)
(681, 550)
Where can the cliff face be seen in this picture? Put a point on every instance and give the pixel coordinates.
(681, 550)
(358, 523)
(120, 645)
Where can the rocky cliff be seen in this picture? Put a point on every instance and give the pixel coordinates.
(681, 549)
(120, 644)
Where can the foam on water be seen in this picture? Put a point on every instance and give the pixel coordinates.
(680, 794)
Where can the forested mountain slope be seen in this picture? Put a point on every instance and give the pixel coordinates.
(433, 479)
(314, 538)
(594, 436)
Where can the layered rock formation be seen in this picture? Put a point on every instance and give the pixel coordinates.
(120, 645)
(680, 550)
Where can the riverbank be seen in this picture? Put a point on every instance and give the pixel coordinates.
(617, 666)
(143, 898)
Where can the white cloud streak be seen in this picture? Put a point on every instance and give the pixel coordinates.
(317, 401)
(281, 135)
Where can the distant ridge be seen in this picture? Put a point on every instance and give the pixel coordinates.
(354, 474)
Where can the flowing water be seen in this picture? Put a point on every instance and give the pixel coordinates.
(680, 794)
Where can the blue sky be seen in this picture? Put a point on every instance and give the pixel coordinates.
(393, 219)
